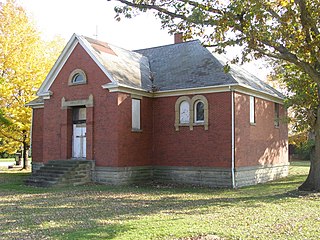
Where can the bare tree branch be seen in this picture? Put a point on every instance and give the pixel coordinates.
(154, 7)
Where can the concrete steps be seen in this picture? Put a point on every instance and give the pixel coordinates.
(61, 173)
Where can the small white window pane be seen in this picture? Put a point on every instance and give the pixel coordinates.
(252, 110)
(135, 114)
(184, 112)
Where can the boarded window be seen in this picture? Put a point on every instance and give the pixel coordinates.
(276, 115)
(184, 112)
(136, 114)
(79, 115)
(252, 110)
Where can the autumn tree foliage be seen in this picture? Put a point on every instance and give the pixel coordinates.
(25, 60)
(284, 30)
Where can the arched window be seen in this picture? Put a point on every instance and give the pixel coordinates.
(191, 112)
(199, 112)
(77, 76)
(184, 113)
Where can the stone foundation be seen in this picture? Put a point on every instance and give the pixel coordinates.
(246, 176)
(203, 176)
(213, 177)
(122, 175)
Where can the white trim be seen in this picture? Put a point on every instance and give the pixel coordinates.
(255, 93)
(36, 106)
(192, 91)
(136, 96)
(113, 87)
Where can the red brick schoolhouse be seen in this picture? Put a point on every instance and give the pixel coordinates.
(168, 113)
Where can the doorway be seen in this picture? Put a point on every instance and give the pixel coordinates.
(79, 140)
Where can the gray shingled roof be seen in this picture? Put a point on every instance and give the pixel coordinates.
(190, 65)
(172, 67)
(126, 67)
(185, 65)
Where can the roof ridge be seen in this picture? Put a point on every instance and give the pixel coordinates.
(167, 45)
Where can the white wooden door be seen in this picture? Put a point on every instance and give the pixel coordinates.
(79, 141)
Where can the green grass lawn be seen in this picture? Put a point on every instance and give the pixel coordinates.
(7, 160)
(267, 211)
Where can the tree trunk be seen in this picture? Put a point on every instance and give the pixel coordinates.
(308, 185)
(25, 156)
(312, 182)
(25, 152)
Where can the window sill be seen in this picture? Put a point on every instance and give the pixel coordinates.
(183, 124)
(191, 126)
(198, 124)
(76, 84)
(136, 130)
(253, 124)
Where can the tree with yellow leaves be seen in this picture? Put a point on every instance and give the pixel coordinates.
(25, 60)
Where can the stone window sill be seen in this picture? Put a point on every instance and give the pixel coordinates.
(76, 84)
(136, 130)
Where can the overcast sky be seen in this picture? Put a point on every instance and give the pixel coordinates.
(85, 17)
(91, 17)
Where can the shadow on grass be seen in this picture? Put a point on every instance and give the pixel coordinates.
(93, 211)
(109, 231)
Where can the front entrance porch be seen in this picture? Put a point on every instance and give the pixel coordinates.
(61, 173)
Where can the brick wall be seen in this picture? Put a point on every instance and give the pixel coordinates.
(37, 135)
(102, 139)
(135, 148)
(262, 143)
(199, 148)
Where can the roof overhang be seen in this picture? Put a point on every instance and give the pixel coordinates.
(116, 87)
(191, 91)
(36, 103)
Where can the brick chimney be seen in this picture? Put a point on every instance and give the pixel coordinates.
(178, 38)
